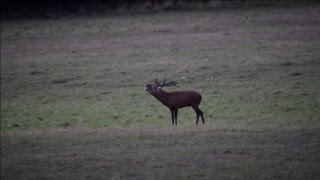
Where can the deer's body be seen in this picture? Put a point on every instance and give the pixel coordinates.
(175, 100)
(178, 99)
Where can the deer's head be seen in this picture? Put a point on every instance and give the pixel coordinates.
(156, 86)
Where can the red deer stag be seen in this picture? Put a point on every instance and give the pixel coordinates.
(175, 100)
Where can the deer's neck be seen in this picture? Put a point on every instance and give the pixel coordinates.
(162, 96)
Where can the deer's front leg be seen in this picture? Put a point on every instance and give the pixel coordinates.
(176, 115)
(172, 115)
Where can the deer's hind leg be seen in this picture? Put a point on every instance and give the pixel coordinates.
(199, 113)
(196, 110)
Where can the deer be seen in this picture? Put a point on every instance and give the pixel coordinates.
(176, 99)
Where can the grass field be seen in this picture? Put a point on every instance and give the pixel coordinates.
(73, 104)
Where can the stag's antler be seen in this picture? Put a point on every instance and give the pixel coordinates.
(164, 83)
(155, 81)
(172, 83)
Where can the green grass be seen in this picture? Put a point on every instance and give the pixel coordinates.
(182, 152)
(73, 103)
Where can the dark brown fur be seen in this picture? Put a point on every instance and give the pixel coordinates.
(175, 100)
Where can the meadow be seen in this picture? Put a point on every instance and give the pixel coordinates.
(73, 104)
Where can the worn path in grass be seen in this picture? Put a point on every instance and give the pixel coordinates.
(73, 105)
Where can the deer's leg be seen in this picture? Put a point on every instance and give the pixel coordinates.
(197, 118)
(196, 109)
(201, 114)
(176, 115)
(172, 115)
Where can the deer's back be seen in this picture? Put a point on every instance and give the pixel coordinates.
(180, 99)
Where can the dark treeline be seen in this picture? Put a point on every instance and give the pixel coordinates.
(54, 8)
